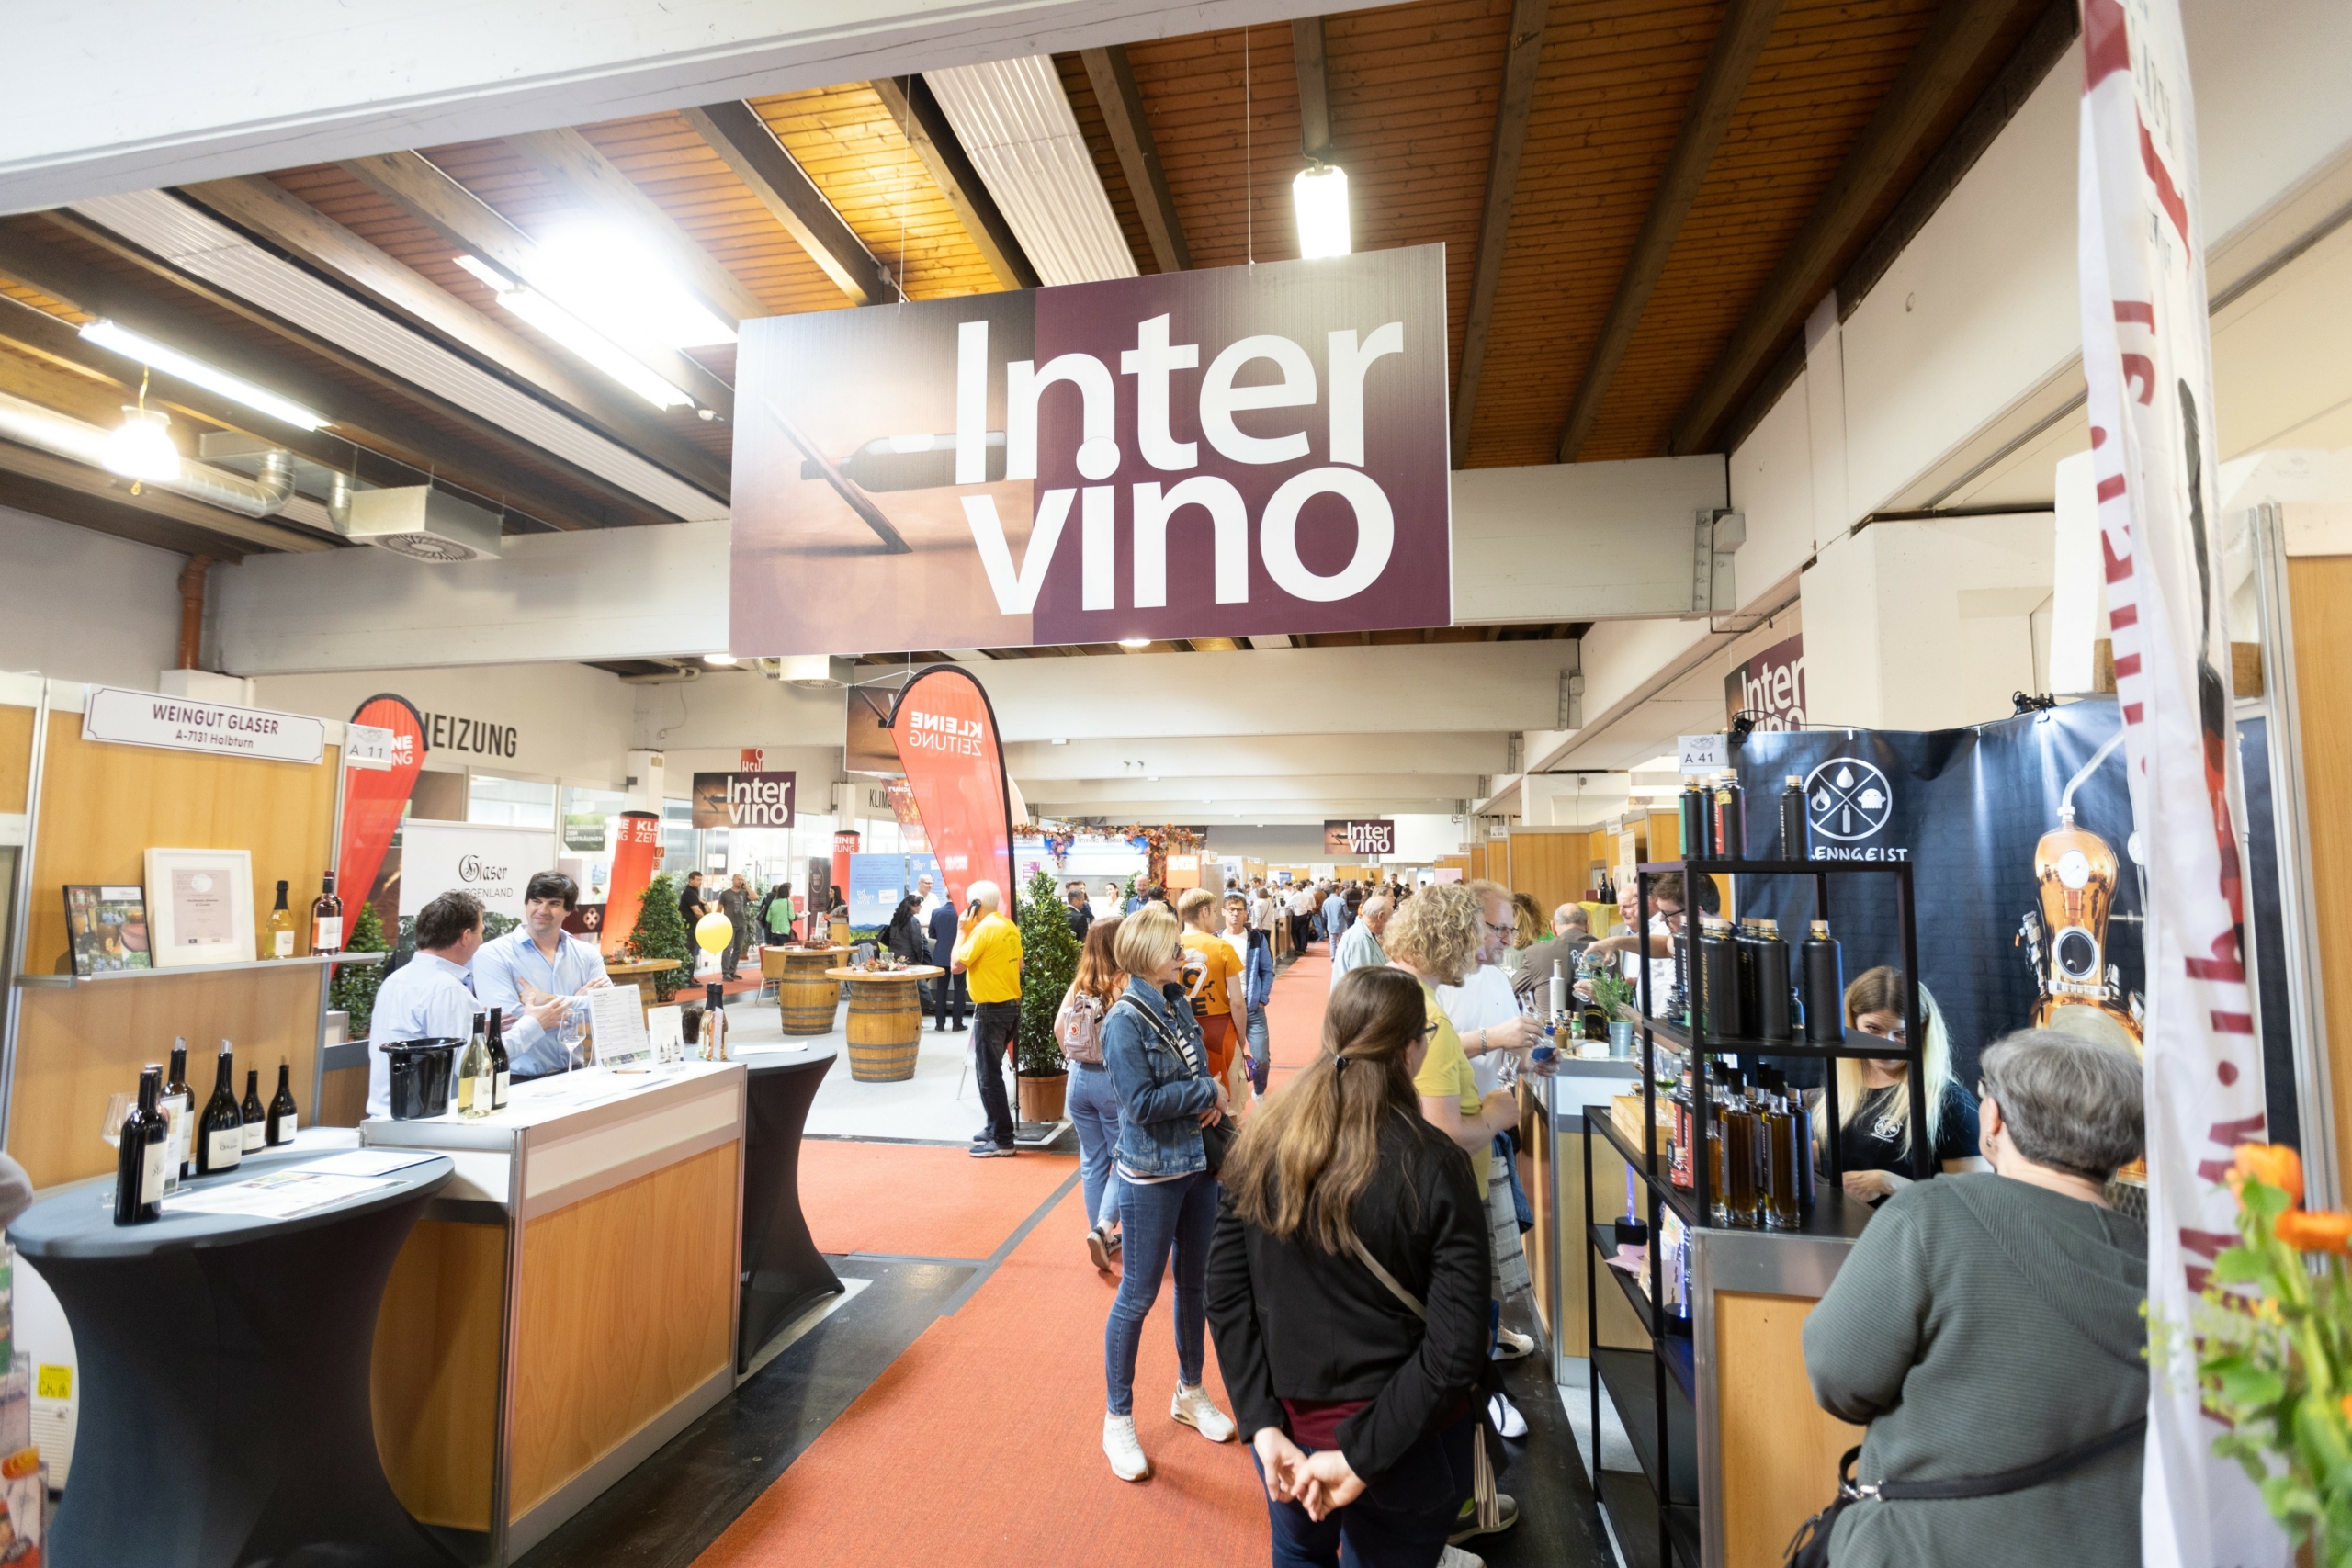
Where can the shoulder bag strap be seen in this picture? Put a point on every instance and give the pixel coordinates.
(1177, 1044)
(1485, 1499)
(1381, 1273)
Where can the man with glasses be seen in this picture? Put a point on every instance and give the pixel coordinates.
(535, 971)
(1667, 904)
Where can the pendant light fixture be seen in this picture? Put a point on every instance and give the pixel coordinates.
(142, 449)
(1319, 196)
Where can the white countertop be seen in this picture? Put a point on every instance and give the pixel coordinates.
(559, 1106)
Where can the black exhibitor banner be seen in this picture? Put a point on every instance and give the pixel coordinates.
(2018, 835)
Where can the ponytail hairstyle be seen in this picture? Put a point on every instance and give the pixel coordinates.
(1307, 1153)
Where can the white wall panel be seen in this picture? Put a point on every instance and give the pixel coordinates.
(85, 606)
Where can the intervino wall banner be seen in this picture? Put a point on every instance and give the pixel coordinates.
(1217, 453)
(1361, 836)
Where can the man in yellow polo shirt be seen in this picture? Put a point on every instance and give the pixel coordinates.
(988, 953)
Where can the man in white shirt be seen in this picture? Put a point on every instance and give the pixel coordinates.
(535, 971)
(925, 900)
(426, 998)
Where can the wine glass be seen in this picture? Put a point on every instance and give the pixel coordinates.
(568, 1034)
(110, 1131)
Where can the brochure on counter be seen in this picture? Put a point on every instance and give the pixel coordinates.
(302, 1190)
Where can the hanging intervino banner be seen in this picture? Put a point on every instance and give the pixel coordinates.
(1217, 453)
(2147, 358)
(953, 758)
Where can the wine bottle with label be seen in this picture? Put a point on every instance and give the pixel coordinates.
(501, 1076)
(221, 1132)
(476, 1083)
(179, 1118)
(326, 920)
(277, 931)
(280, 1129)
(257, 1120)
(140, 1155)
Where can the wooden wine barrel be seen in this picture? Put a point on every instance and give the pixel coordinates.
(807, 997)
(885, 1025)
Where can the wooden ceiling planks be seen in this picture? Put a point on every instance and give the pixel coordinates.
(1231, 182)
(1087, 109)
(858, 155)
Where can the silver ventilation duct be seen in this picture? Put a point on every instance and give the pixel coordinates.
(265, 495)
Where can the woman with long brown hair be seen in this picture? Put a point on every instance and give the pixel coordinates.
(1092, 1103)
(1347, 1290)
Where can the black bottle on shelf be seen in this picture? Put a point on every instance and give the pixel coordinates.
(1698, 821)
(256, 1120)
(501, 1071)
(141, 1153)
(1824, 985)
(1718, 1000)
(221, 1132)
(1744, 969)
(1773, 993)
(1796, 827)
(184, 1139)
(283, 1123)
(1730, 826)
(1801, 1130)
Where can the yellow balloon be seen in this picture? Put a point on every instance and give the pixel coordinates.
(713, 932)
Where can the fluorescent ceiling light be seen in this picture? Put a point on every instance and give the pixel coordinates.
(1134, 642)
(172, 362)
(1319, 195)
(140, 449)
(719, 659)
(619, 287)
(577, 336)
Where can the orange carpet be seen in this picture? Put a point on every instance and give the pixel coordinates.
(981, 1446)
(1294, 1014)
(927, 1202)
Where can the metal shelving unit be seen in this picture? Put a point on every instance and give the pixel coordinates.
(1662, 1430)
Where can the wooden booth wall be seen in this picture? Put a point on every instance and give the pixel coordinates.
(2320, 591)
(102, 807)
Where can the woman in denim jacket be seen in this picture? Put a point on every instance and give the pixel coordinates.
(1168, 1200)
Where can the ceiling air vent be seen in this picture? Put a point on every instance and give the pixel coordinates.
(423, 524)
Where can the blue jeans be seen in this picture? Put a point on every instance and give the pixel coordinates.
(1094, 1105)
(1155, 1218)
(1260, 1059)
(1401, 1521)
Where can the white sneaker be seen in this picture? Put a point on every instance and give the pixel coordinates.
(1510, 1344)
(1123, 1448)
(1506, 1417)
(1468, 1526)
(1193, 1407)
(1457, 1558)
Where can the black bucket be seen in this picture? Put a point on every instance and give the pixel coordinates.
(421, 1073)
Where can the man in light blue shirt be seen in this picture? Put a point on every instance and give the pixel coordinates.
(534, 972)
(1358, 945)
(426, 998)
(1335, 918)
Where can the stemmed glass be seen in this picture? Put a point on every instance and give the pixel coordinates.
(568, 1034)
(111, 1130)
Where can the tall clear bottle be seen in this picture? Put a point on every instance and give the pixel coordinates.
(326, 920)
(1778, 1146)
(1737, 1203)
(476, 1083)
(277, 931)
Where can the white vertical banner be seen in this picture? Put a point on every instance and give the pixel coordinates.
(2147, 356)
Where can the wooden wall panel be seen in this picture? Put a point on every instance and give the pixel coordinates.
(1553, 868)
(2320, 590)
(344, 1101)
(102, 807)
(1779, 1448)
(15, 756)
(657, 1251)
(434, 1379)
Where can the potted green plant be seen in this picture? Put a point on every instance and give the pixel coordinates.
(1048, 965)
(354, 990)
(661, 932)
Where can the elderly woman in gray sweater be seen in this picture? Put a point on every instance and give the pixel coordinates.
(1988, 1323)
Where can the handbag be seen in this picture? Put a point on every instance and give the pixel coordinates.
(1809, 1548)
(1482, 1469)
(1216, 1137)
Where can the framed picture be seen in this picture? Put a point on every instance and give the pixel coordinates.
(107, 926)
(200, 906)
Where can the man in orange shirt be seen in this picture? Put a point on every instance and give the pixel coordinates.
(1213, 978)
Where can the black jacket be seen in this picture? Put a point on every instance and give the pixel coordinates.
(1294, 1321)
(904, 938)
(1080, 918)
(943, 932)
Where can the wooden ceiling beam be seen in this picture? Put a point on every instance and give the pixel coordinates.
(916, 108)
(1121, 100)
(1521, 56)
(275, 216)
(1740, 43)
(377, 419)
(1306, 47)
(573, 163)
(1953, 43)
(745, 143)
(421, 189)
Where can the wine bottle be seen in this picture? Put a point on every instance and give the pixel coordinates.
(714, 1024)
(277, 931)
(257, 1120)
(502, 1076)
(221, 1134)
(179, 1113)
(475, 1083)
(281, 1128)
(326, 920)
(140, 1155)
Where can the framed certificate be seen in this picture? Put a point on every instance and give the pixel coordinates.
(200, 906)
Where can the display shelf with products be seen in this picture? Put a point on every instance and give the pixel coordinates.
(61, 982)
(1664, 1386)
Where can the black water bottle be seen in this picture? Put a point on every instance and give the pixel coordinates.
(1718, 984)
(1743, 961)
(1730, 819)
(1698, 821)
(1825, 988)
(1772, 991)
(1796, 827)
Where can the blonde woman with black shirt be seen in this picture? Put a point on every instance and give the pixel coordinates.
(1874, 1096)
(1340, 1202)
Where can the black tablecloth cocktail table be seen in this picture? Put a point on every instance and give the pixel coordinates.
(783, 1271)
(224, 1366)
